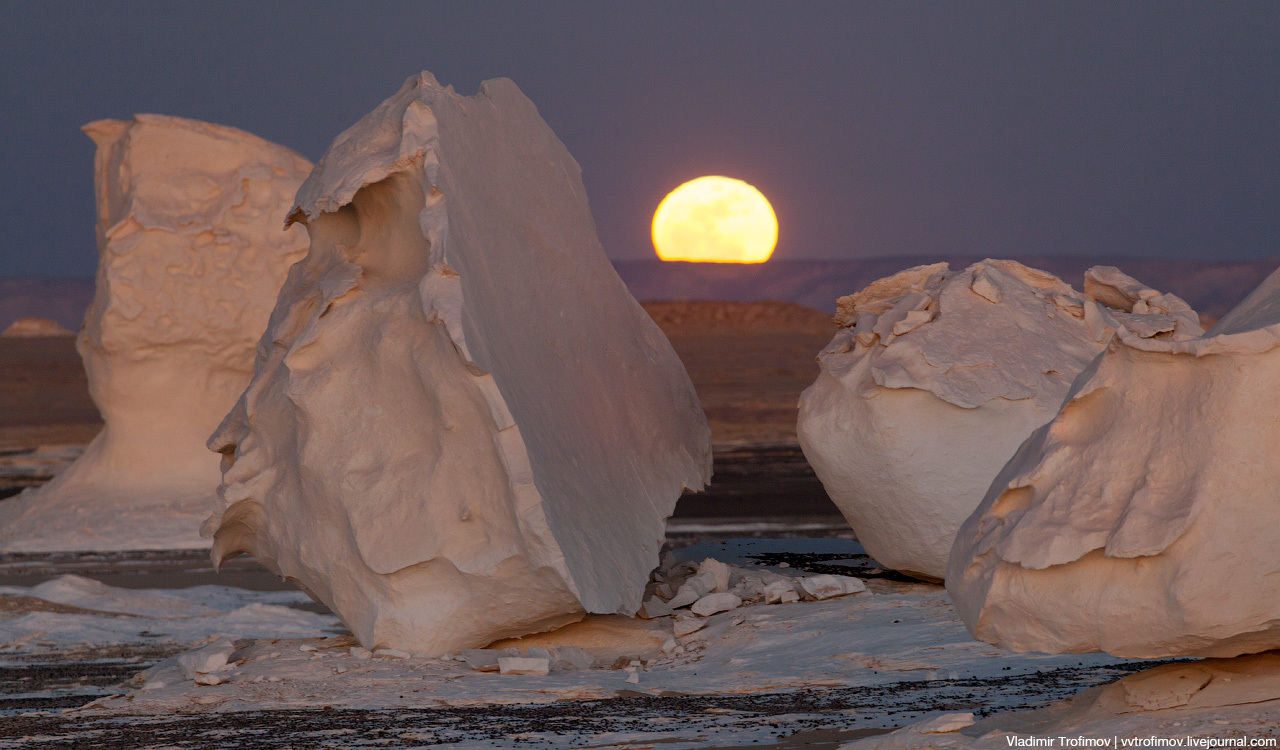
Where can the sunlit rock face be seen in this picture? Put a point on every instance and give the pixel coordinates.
(937, 377)
(461, 427)
(1140, 521)
(191, 253)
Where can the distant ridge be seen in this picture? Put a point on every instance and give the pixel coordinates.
(1212, 287)
(62, 300)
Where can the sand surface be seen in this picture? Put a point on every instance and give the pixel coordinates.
(88, 665)
(44, 396)
(749, 361)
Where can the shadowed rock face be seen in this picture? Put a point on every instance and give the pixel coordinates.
(938, 376)
(461, 427)
(191, 255)
(1140, 520)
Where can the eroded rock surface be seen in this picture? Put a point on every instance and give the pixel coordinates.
(1139, 521)
(936, 378)
(461, 427)
(192, 252)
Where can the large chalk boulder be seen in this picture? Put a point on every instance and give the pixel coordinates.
(1141, 520)
(191, 253)
(937, 377)
(461, 427)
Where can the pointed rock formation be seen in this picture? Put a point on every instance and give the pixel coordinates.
(461, 426)
(192, 252)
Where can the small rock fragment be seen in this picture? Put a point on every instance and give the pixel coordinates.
(693, 589)
(690, 625)
(361, 653)
(713, 603)
(654, 608)
(211, 658)
(482, 659)
(719, 571)
(780, 592)
(827, 586)
(523, 665)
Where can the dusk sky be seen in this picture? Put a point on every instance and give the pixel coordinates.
(876, 129)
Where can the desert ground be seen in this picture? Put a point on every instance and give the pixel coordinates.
(88, 640)
(748, 362)
(750, 678)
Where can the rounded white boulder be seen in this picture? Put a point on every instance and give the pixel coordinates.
(937, 377)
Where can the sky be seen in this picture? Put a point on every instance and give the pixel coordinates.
(876, 129)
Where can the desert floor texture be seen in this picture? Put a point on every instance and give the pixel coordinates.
(86, 639)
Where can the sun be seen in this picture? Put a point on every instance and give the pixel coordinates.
(715, 219)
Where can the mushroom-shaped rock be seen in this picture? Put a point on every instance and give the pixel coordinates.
(937, 377)
(191, 253)
(461, 426)
(1140, 521)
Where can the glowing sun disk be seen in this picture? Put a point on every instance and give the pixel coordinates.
(717, 219)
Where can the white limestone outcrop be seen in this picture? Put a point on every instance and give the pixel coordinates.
(461, 426)
(1140, 521)
(192, 252)
(938, 376)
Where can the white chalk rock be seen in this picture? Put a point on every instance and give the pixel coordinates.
(1140, 520)
(192, 252)
(780, 592)
(524, 665)
(712, 577)
(211, 658)
(938, 376)
(29, 328)
(461, 426)
(685, 626)
(827, 586)
(713, 603)
(654, 608)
